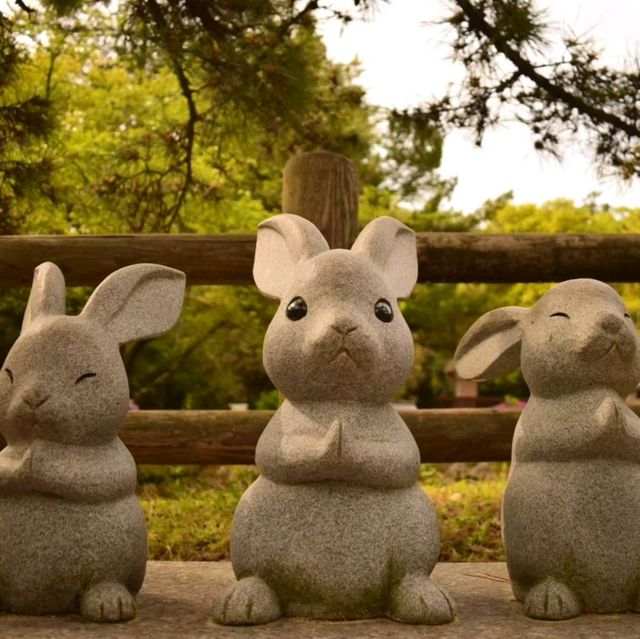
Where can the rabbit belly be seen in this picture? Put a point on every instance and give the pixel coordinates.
(52, 549)
(333, 550)
(578, 523)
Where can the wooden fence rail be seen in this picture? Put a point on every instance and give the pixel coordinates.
(230, 437)
(228, 259)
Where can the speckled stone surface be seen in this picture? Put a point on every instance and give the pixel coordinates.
(72, 534)
(570, 511)
(336, 526)
(175, 602)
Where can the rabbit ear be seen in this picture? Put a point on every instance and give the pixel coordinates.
(491, 346)
(47, 294)
(137, 302)
(283, 241)
(391, 245)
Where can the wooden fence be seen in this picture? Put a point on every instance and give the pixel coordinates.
(228, 259)
(323, 188)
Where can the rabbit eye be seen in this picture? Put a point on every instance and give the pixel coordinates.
(9, 374)
(296, 309)
(383, 310)
(627, 315)
(559, 314)
(85, 376)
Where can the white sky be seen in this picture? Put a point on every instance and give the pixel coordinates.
(405, 61)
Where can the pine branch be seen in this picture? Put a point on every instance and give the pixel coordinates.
(24, 7)
(480, 25)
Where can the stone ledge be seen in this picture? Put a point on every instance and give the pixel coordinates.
(175, 604)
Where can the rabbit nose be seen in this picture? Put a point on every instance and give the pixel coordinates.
(610, 323)
(34, 397)
(344, 327)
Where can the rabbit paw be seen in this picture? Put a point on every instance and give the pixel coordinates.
(15, 469)
(609, 415)
(416, 599)
(106, 601)
(249, 601)
(551, 599)
(333, 441)
(615, 417)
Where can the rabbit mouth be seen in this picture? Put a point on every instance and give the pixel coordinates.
(343, 350)
(617, 349)
(603, 351)
(600, 348)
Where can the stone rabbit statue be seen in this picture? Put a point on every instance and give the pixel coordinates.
(336, 527)
(570, 511)
(72, 534)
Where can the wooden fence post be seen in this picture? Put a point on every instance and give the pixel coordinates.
(323, 187)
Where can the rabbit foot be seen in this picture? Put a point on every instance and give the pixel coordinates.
(551, 599)
(249, 601)
(416, 599)
(107, 601)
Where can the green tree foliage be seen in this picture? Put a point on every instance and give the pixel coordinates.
(244, 85)
(26, 118)
(515, 69)
(151, 158)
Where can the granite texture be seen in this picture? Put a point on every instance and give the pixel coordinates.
(336, 526)
(72, 534)
(175, 601)
(570, 510)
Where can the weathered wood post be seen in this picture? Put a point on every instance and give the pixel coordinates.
(323, 187)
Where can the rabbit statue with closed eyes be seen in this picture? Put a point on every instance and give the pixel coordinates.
(72, 533)
(570, 510)
(336, 526)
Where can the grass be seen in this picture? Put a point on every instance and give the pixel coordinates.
(468, 511)
(189, 509)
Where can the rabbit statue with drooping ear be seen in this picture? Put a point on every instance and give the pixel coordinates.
(72, 533)
(570, 510)
(336, 527)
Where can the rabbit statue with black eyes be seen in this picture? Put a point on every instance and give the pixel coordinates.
(72, 533)
(336, 526)
(570, 510)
